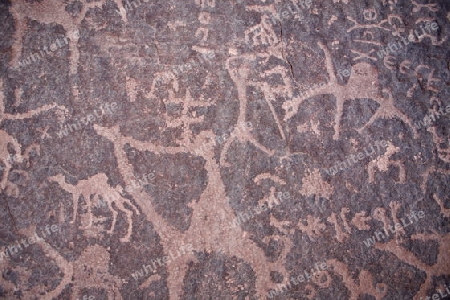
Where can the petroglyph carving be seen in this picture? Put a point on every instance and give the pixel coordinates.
(370, 14)
(91, 270)
(271, 200)
(360, 219)
(340, 234)
(261, 34)
(419, 38)
(363, 83)
(443, 156)
(383, 162)
(432, 7)
(313, 184)
(441, 267)
(6, 139)
(366, 282)
(239, 69)
(164, 79)
(441, 141)
(313, 226)
(387, 110)
(22, 9)
(94, 186)
(445, 211)
(268, 176)
(206, 220)
(421, 82)
(379, 25)
(64, 266)
(362, 55)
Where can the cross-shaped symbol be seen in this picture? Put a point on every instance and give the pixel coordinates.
(44, 133)
(362, 55)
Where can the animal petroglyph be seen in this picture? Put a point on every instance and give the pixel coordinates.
(237, 107)
(94, 186)
(363, 83)
(207, 231)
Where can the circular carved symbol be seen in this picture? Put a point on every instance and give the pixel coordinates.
(370, 14)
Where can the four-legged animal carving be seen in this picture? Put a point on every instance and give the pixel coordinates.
(98, 185)
(363, 83)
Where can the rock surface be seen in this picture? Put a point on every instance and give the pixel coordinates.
(239, 149)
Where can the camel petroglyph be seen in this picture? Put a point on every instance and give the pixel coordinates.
(211, 213)
(94, 186)
(362, 84)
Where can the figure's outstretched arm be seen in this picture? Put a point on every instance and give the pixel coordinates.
(34, 112)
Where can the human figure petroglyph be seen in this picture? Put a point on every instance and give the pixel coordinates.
(379, 214)
(189, 118)
(383, 162)
(439, 268)
(270, 91)
(94, 186)
(395, 206)
(208, 230)
(363, 83)
(365, 285)
(263, 34)
(239, 73)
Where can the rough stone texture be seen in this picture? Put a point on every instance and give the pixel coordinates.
(224, 149)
